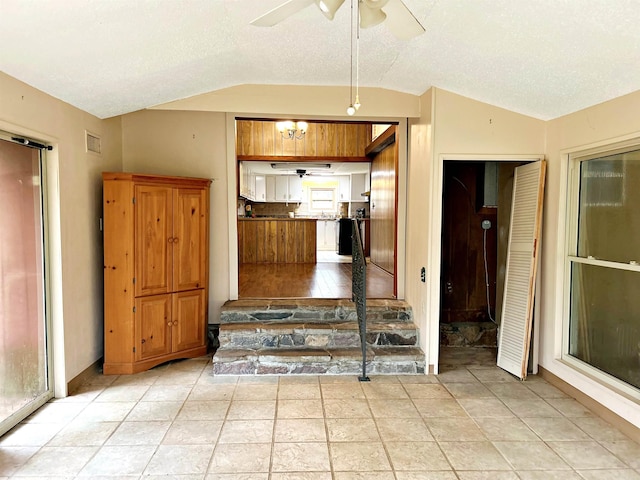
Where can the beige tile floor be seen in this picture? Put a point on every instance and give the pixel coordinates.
(178, 421)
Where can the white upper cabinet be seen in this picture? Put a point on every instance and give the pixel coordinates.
(295, 188)
(260, 188)
(282, 188)
(344, 188)
(359, 185)
(270, 188)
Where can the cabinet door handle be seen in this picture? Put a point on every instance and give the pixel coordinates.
(175, 323)
(169, 324)
(175, 239)
(169, 240)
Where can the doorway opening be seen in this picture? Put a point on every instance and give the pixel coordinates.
(296, 200)
(476, 211)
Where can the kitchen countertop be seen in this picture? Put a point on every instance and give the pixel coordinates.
(284, 219)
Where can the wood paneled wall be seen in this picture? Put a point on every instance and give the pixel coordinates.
(464, 296)
(276, 240)
(384, 171)
(261, 138)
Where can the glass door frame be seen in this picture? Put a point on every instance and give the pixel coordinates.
(16, 417)
(575, 160)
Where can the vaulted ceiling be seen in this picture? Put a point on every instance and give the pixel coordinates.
(544, 58)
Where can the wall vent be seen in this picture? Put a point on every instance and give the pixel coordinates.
(93, 143)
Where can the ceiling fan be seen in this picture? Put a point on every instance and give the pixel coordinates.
(397, 17)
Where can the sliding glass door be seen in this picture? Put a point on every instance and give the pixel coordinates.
(24, 371)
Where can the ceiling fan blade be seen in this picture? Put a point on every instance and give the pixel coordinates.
(370, 17)
(401, 22)
(281, 13)
(375, 3)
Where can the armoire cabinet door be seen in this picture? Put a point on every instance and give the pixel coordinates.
(188, 320)
(189, 239)
(152, 326)
(153, 234)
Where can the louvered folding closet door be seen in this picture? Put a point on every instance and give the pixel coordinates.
(520, 278)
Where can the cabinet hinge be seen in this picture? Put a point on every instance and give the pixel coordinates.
(134, 200)
(134, 349)
(134, 309)
(134, 280)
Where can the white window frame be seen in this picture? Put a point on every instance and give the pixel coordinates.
(333, 208)
(571, 246)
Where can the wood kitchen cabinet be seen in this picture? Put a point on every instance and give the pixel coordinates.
(276, 240)
(156, 238)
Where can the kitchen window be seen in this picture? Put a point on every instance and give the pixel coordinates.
(322, 200)
(603, 328)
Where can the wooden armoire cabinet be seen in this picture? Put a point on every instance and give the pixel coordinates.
(156, 257)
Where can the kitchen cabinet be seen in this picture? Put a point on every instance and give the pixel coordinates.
(344, 188)
(295, 188)
(242, 180)
(156, 239)
(276, 240)
(288, 188)
(270, 182)
(326, 231)
(260, 188)
(247, 182)
(359, 185)
(282, 188)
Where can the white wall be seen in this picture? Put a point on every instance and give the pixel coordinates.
(74, 208)
(317, 101)
(419, 179)
(191, 144)
(464, 129)
(600, 125)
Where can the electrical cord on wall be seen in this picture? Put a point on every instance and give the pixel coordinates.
(486, 271)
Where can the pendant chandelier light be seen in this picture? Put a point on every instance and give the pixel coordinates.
(354, 45)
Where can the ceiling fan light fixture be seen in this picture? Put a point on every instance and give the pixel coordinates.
(370, 17)
(329, 7)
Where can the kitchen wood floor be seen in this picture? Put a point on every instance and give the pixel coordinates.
(320, 280)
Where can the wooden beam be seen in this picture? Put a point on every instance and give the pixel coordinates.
(300, 159)
(385, 139)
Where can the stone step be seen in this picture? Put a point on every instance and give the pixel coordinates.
(259, 335)
(318, 361)
(312, 311)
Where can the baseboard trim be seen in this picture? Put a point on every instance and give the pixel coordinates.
(79, 379)
(626, 427)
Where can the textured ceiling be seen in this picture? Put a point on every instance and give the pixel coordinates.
(108, 57)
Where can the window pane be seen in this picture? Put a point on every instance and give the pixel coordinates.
(609, 221)
(604, 327)
(323, 200)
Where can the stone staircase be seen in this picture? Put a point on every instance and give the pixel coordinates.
(314, 336)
